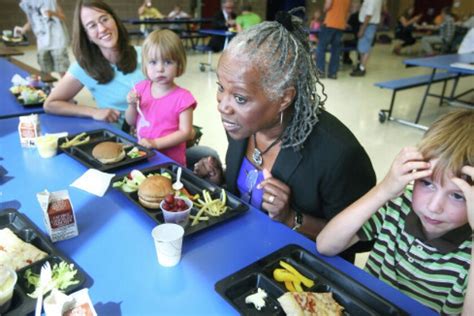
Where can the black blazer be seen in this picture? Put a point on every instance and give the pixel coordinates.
(330, 172)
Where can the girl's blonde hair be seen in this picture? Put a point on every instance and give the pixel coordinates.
(168, 44)
(450, 140)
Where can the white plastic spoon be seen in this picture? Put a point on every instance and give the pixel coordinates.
(178, 185)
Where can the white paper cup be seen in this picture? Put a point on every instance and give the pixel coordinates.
(8, 280)
(168, 243)
(47, 146)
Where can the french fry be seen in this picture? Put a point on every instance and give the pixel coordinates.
(307, 282)
(209, 206)
(289, 286)
(77, 140)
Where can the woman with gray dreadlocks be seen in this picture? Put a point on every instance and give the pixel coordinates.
(286, 154)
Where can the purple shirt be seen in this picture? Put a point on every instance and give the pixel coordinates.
(247, 180)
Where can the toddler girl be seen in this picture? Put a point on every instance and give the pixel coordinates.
(161, 111)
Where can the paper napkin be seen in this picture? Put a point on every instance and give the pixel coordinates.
(18, 80)
(94, 181)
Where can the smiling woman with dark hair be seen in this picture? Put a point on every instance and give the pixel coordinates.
(107, 65)
(286, 154)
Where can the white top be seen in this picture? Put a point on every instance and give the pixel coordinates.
(372, 8)
(51, 33)
(467, 44)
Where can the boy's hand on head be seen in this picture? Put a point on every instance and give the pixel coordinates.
(468, 190)
(407, 166)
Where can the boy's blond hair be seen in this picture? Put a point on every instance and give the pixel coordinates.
(170, 47)
(450, 139)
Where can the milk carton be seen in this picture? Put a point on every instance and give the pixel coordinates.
(29, 129)
(58, 213)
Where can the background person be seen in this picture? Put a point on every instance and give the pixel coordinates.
(247, 18)
(407, 23)
(167, 108)
(369, 17)
(350, 38)
(223, 20)
(423, 233)
(447, 29)
(178, 13)
(46, 20)
(286, 154)
(315, 26)
(337, 12)
(148, 11)
(106, 64)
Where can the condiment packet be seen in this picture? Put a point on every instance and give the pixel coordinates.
(94, 181)
(77, 303)
(82, 306)
(58, 213)
(56, 303)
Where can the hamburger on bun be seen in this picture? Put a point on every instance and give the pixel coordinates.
(153, 190)
(108, 152)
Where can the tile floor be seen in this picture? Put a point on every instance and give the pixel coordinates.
(355, 101)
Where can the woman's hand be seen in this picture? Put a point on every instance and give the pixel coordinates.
(209, 168)
(276, 198)
(108, 115)
(407, 166)
(468, 190)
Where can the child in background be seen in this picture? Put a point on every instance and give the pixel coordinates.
(423, 233)
(167, 108)
(315, 26)
(247, 18)
(148, 11)
(47, 20)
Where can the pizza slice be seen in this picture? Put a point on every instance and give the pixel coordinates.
(16, 253)
(310, 303)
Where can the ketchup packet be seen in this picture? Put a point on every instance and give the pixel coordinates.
(58, 214)
(77, 303)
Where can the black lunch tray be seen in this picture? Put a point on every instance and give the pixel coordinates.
(83, 153)
(21, 303)
(24, 42)
(193, 185)
(20, 100)
(356, 298)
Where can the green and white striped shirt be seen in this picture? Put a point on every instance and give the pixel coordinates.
(434, 272)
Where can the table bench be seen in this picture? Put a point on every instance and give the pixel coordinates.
(408, 83)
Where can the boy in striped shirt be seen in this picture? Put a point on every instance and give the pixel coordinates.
(423, 232)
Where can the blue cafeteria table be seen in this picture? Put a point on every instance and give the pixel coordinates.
(444, 62)
(115, 248)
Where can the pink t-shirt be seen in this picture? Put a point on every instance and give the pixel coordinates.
(163, 116)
